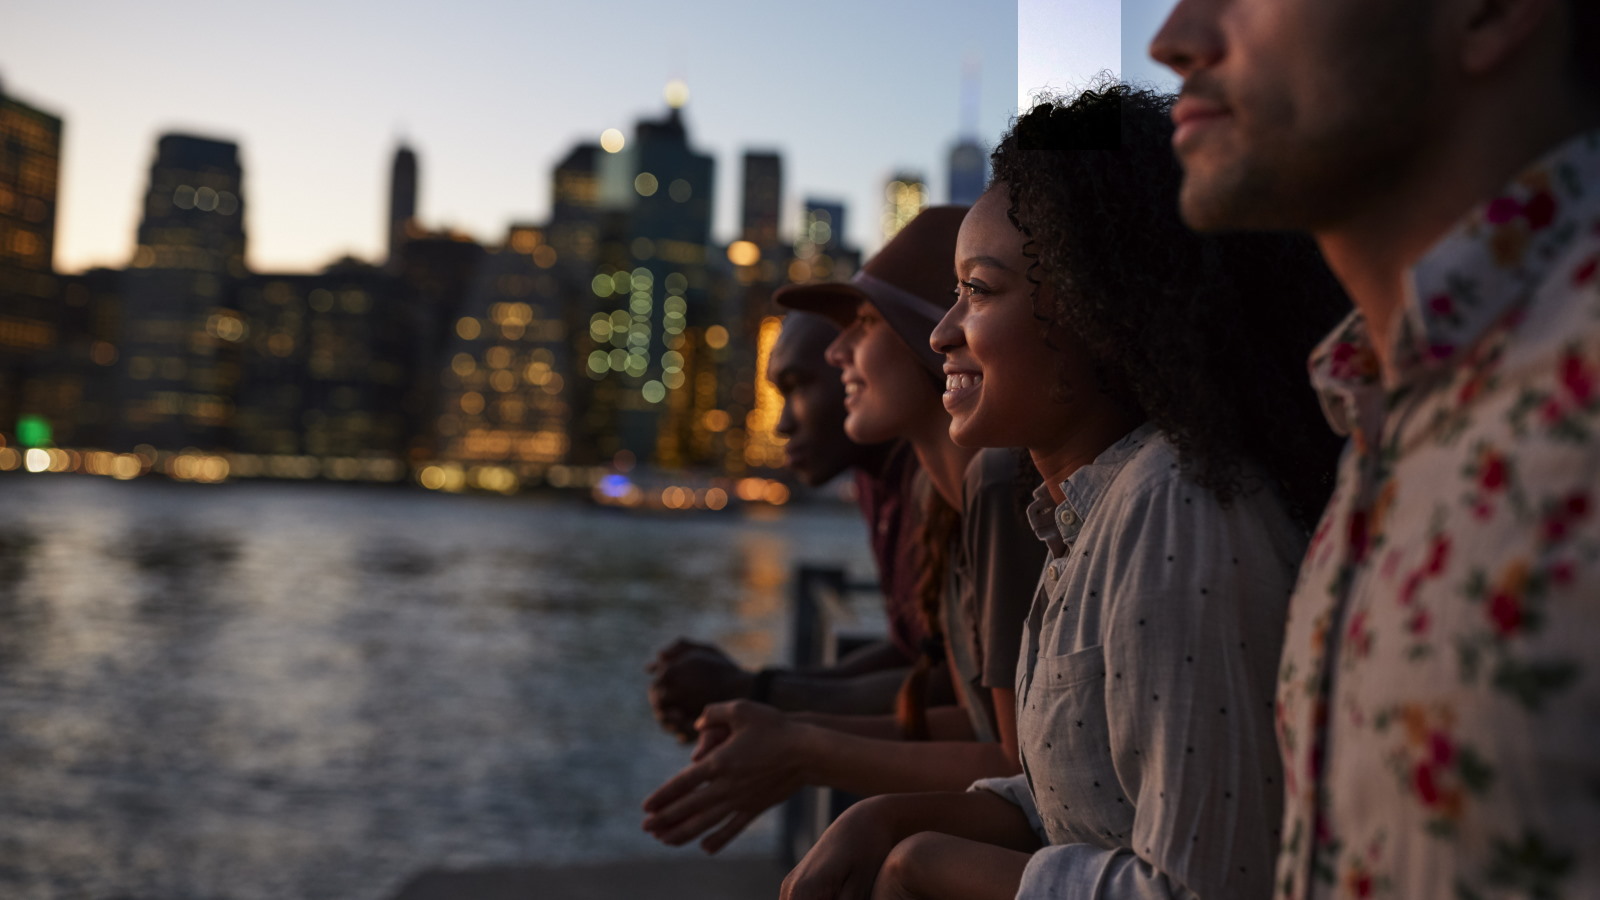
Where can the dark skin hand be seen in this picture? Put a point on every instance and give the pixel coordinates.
(687, 676)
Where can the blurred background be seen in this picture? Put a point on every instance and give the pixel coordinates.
(380, 384)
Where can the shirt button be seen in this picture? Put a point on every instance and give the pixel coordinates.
(1067, 518)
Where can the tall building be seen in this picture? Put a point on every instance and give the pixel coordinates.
(968, 162)
(181, 327)
(78, 391)
(820, 252)
(969, 172)
(30, 154)
(762, 200)
(652, 337)
(325, 373)
(436, 271)
(503, 416)
(574, 230)
(905, 194)
(402, 201)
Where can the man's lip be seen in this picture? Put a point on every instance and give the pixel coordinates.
(1193, 107)
(1192, 114)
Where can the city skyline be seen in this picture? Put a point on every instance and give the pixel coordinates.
(319, 98)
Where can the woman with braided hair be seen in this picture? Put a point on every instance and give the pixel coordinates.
(1156, 378)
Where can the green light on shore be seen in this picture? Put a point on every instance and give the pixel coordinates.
(33, 431)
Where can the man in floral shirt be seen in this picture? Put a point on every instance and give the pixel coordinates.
(1439, 694)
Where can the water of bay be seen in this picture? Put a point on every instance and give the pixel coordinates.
(313, 691)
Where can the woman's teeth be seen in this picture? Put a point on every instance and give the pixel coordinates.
(850, 387)
(961, 381)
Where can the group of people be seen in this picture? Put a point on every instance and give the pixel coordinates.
(1168, 617)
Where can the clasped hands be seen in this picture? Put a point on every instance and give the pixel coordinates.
(687, 676)
(748, 758)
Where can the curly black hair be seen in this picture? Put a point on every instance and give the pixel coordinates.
(1205, 335)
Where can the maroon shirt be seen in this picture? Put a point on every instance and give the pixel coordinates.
(888, 503)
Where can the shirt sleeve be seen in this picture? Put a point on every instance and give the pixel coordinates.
(1006, 558)
(1196, 596)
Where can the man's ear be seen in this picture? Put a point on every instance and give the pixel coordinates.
(1492, 31)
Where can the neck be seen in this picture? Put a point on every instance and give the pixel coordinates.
(943, 460)
(1372, 250)
(873, 459)
(1058, 461)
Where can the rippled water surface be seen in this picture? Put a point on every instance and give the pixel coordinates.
(306, 691)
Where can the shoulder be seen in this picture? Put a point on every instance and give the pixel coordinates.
(1154, 503)
(992, 469)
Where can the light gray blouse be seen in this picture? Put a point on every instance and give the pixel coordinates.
(1145, 689)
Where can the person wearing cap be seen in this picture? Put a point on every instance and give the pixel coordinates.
(688, 675)
(1155, 383)
(980, 566)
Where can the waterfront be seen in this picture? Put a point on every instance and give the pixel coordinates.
(313, 691)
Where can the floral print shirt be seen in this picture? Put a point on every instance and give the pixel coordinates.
(1439, 694)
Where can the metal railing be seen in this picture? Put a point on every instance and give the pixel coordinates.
(819, 610)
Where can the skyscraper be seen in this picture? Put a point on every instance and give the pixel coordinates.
(402, 201)
(656, 342)
(968, 163)
(905, 194)
(30, 153)
(763, 199)
(503, 411)
(969, 172)
(820, 253)
(181, 328)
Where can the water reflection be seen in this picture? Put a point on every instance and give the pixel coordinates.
(299, 691)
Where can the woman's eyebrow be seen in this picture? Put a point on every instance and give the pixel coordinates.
(985, 261)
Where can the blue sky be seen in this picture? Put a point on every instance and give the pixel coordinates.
(1063, 44)
(491, 93)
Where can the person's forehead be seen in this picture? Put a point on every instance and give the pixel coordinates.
(803, 341)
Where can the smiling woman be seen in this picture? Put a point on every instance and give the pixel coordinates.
(997, 349)
(1156, 379)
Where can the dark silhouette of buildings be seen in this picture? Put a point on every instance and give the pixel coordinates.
(653, 342)
(326, 371)
(30, 154)
(763, 199)
(402, 200)
(181, 327)
(969, 172)
(968, 163)
(504, 417)
(615, 335)
(905, 194)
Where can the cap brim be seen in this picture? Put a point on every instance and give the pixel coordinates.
(836, 301)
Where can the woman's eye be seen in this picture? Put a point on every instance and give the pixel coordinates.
(971, 289)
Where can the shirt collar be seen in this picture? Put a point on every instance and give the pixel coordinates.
(1477, 273)
(1058, 525)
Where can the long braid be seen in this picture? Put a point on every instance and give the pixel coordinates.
(935, 539)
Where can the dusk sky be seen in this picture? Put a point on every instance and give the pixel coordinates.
(492, 93)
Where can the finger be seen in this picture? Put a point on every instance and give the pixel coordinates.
(710, 798)
(695, 825)
(728, 713)
(676, 787)
(730, 829)
(711, 737)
